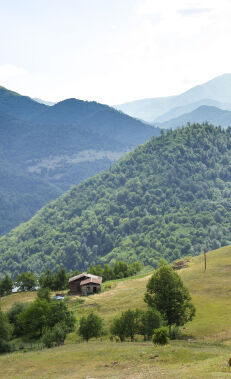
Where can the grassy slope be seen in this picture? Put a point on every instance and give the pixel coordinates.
(203, 354)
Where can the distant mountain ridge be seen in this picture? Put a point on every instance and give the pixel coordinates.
(179, 111)
(212, 115)
(150, 110)
(18, 106)
(54, 147)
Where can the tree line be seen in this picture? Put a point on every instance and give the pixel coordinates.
(58, 281)
(168, 304)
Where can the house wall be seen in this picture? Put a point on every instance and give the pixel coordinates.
(75, 287)
(83, 290)
(89, 289)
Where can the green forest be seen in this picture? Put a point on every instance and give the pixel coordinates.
(168, 198)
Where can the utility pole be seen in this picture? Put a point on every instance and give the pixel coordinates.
(205, 260)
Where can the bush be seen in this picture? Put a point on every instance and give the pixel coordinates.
(47, 338)
(160, 336)
(90, 326)
(5, 346)
(44, 293)
(175, 333)
(55, 336)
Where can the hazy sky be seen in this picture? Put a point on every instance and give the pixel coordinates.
(112, 51)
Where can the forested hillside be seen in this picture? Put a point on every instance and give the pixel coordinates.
(168, 198)
(50, 148)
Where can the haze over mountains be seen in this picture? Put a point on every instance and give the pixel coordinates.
(216, 92)
(50, 148)
(204, 113)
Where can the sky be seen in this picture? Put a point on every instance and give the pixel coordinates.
(112, 51)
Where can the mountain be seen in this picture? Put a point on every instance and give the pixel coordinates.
(217, 89)
(180, 111)
(202, 114)
(168, 198)
(57, 146)
(18, 106)
(21, 195)
(44, 101)
(97, 118)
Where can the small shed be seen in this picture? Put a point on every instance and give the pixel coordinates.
(85, 284)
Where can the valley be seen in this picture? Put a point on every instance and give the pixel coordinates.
(55, 147)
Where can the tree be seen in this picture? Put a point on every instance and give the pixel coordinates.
(166, 293)
(149, 321)
(90, 326)
(34, 319)
(127, 325)
(12, 315)
(5, 333)
(59, 312)
(117, 328)
(6, 286)
(54, 281)
(131, 322)
(47, 280)
(55, 336)
(42, 314)
(60, 280)
(26, 281)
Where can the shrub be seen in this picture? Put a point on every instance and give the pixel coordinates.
(160, 336)
(5, 346)
(44, 293)
(175, 333)
(47, 338)
(55, 336)
(90, 326)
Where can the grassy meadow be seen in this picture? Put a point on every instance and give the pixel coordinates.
(203, 352)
